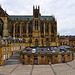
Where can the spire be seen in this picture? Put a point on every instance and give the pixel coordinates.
(33, 6)
(36, 6)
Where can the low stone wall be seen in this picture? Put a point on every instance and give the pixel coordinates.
(40, 59)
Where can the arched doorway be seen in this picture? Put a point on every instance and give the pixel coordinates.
(1, 27)
(47, 42)
(36, 43)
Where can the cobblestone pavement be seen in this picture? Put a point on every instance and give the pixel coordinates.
(54, 69)
(13, 67)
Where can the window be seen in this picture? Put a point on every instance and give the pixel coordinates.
(8, 55)
(36, 15)
(4, 50)
(47, 28)
(52, 31)
(0, 41)
(28, 56)
(30, 40)
(42, 36)
(36, 25)
(17, 28)
(24, 40)
(30, 28)
(42, 41)
(24, 28)
(42, 29)
(4, 42)
(56, 56)
(51, 39)
(42, 56)
(24, 35)
(7, 42)
(28, 18)
(17, 18)
(1, 26)
(68, 54)
(54, 40)
(12, 49)
(4, 57)
(7, 49)
(18, 35)
(35, 56)
(30, 35)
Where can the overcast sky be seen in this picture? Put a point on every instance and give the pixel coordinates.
(63, 10)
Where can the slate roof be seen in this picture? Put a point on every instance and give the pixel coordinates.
(30, 18)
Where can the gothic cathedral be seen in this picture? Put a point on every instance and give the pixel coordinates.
(35, 30)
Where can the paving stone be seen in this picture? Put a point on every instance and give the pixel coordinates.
(42, 70)
(7, 69)
(22, 70)
(72, 64)
(61, 68)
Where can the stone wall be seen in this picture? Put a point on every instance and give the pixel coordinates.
(46, 58)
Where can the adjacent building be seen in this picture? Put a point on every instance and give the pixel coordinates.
(72, 42)
(64, 40)
(5, 51)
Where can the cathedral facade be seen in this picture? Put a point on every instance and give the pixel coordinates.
(35, 30)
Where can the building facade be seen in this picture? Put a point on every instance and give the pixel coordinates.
(8, 46)
(35, 29)
(5, 51)
(72, 42)
(28, 58)
(64, 40)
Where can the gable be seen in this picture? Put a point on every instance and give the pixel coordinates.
(2, 13)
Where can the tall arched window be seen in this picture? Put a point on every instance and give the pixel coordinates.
(24, 28)
(52, 31)
(36, 15)
(17, 27)
(47, 28)
(42, 28)
(30, 40)
(1, 27)
(30, 28)
(37, 25)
